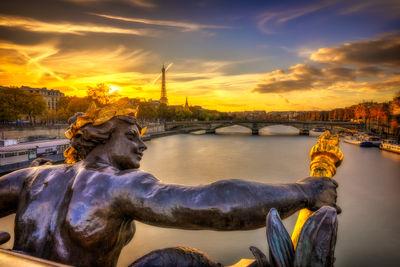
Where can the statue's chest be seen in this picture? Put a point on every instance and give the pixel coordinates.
(87, 216)
(92, 221)
(43, 205)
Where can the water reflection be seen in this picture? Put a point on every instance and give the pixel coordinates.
(390, 155)
(279, 130)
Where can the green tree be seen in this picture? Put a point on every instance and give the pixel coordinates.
(147, 111)
(12, 103)
(33, 106)
(69, 105)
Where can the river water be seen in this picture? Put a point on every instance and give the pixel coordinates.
(369, 194)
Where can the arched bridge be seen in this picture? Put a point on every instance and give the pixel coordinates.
(255, 126)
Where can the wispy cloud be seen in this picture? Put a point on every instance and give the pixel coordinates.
(138, 3)
(185, 26)
(270, 20)
(46, 64)
(33, 25)
(387, 8)
(144, 3)
(29, 63)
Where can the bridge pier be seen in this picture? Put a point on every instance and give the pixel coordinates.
(210, 131)
(254, 129)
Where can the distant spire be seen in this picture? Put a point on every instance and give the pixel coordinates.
(186, 104)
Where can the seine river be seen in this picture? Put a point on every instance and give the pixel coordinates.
(369, 194)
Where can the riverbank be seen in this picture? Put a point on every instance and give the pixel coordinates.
(29, 133)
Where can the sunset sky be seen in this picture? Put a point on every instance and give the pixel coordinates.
(226, 55)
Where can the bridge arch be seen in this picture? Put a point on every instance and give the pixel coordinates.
(233, 129)
(279, 129)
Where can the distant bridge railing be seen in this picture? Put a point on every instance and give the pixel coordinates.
(266, 121)
(211, 126)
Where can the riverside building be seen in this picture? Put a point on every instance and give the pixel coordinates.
(51, 96)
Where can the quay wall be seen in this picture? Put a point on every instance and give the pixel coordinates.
(22, 133)
(25, 132)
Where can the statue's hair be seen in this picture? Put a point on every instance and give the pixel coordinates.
(89, 136)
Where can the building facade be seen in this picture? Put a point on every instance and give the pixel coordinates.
(51, 96)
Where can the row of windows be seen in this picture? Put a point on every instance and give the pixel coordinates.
(46, 92)
(51, 105)
(60, 148)
(13, 154)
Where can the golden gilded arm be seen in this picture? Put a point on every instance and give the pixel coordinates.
(325, 156)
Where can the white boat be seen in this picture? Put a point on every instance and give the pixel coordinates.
(317, 131)
(390, 145)
(354, 140)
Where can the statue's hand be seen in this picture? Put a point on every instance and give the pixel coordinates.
(321, 191)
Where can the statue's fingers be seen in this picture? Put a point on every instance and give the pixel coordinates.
(261, 259)
(316, 245)
(281, 251)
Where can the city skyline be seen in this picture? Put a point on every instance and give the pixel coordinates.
(228, 56)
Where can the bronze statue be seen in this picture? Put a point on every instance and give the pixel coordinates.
(82, 213)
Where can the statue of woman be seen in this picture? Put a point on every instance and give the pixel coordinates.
(82, 213)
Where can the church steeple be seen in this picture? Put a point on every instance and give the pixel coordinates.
(186, 104)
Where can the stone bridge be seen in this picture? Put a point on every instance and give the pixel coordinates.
(255, 126)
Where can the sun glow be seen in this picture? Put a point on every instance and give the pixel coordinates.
(113, 88)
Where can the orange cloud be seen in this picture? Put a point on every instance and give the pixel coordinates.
(384, 50)
(33, 25)
(46, 65)
(340, 76)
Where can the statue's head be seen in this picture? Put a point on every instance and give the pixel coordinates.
(110, 132)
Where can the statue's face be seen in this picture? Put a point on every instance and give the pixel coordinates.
(125, 147)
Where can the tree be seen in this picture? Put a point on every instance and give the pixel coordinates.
(34, 106)
(7, 111)
(69, 105)
(99, 94)
(12, 103)
(147, 111)
(394, 111)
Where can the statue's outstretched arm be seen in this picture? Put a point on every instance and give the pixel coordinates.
(223, 205)
(10, 188)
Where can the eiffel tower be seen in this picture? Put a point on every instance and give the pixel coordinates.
(163, 98)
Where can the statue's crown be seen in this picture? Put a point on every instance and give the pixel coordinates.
(98, 116)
